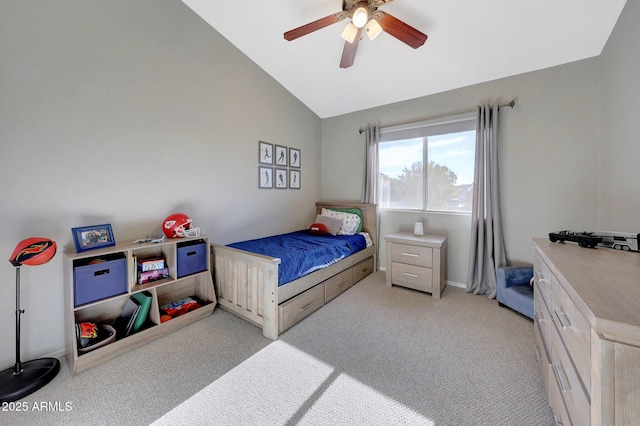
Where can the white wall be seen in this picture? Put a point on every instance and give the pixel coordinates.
(123, 112)
(548, 157)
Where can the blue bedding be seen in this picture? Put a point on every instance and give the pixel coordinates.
(302, 253)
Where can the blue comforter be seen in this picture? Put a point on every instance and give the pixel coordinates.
(302, 253)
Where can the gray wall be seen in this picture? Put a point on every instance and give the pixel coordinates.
(568, 150)
(620, 116)
(124, 112)
(548, 157)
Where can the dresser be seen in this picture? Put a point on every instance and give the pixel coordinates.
(587, 332)
(417, 262)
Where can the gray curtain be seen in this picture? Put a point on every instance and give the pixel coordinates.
(486, 252)
(370, 189)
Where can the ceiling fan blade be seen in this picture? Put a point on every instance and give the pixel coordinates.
(313, 26)
(349, 52)
(403, 32)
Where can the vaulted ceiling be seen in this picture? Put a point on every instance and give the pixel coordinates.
(469, 42)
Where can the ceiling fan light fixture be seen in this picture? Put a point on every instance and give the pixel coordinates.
(349, 33)
(373, 28)
(360, 17)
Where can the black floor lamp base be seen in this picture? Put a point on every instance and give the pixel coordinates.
(35, 374)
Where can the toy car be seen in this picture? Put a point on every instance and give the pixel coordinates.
(584, 239)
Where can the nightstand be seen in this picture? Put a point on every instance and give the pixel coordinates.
(417, 262)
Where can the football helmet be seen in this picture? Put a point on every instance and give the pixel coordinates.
(178, 225)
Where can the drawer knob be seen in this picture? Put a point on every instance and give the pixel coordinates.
(410, 254)
(561, 378)
(411, 275)
(564, 323)
(540, 277)
(307, 306)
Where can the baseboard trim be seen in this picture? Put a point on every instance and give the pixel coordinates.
(455, 284)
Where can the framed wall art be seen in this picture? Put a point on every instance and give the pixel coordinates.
(294, 179)
(294, 157)
(265, 177)
(281, 155)
(281, 179)
(93, 237)
(265, 153)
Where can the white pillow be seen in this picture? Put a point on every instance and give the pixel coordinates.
(333, 224)
(350, 221)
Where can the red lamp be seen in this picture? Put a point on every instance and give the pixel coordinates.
(25, 378)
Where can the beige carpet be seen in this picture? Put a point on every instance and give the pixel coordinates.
(373, 356)
(385, 356)
(281, 385)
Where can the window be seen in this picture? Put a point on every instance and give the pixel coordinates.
(446, 146)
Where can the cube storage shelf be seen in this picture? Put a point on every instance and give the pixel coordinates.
(98, 291)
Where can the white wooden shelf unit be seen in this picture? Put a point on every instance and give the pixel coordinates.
(107, 310)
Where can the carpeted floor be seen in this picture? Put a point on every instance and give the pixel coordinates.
(373, 356)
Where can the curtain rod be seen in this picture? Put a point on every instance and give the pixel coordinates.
(508, 104)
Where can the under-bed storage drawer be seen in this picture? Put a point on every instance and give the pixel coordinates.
(362, 269)
(337, 284)
(301, 306)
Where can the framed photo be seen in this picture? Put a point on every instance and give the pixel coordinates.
(265, 177)
(281, 155)
(265, 153)
(281, 178)
(294, 179)
(294, 157)
(93, 237)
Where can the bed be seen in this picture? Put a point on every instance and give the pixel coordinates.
(247, 283)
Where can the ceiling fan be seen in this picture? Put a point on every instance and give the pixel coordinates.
(363, 14)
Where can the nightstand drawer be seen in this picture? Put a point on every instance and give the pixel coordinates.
(412, 276)
(412, 255)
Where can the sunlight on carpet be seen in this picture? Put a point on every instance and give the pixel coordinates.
(282, 385)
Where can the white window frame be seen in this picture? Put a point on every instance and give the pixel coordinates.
(423, 129)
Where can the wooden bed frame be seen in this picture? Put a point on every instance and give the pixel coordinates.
(247, 283)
